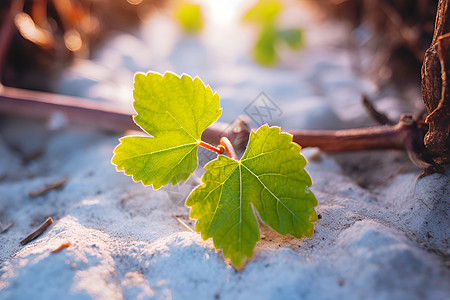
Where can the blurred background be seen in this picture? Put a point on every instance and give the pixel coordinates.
(312, 60)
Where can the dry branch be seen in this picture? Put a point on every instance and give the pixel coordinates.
(406, 135)
(79, 111)
(5, 226)
(57, 184)
(36, 233)
(379, 117)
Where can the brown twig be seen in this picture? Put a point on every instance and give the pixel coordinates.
(379, 117)
(36, 233)
(372, 138)
(79, 111)
(57, 184)
(5, 226)
(406, 135)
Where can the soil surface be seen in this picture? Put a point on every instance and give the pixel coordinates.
(381, 234)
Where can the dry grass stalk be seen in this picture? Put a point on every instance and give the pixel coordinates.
(36, 233)
(57, 184)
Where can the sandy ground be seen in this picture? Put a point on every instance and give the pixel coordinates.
(381, 233)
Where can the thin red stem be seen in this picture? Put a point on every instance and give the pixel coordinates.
(225, 146)
(211, 148)
(225, 142)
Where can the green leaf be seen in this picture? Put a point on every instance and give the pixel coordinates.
(175, 111)
(190, 16)
(270, 178)
(292, 37)
(264, 11)
(264, 50)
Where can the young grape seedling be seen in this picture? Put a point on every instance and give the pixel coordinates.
(268, 182)
(265, 14)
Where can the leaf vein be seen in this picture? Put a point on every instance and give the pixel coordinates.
(287, 208)
(181, 126)
(158, 151)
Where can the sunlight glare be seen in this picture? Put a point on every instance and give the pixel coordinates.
(222, 12)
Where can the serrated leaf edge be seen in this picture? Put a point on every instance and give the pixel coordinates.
(239, 265)
(197, 141)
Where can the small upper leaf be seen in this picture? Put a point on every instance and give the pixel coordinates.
(292, 37)
(175, 111)
(270, 177)
(264, 11)
(190, 16)
(264, 50)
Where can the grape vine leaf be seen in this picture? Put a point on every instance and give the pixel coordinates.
(270, 178)
(175, 111)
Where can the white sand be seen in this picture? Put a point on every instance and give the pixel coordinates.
(379, 242)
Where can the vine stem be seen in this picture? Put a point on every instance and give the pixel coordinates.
(218, 150)
(225, 146)
(406, 135)
(225, 142)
